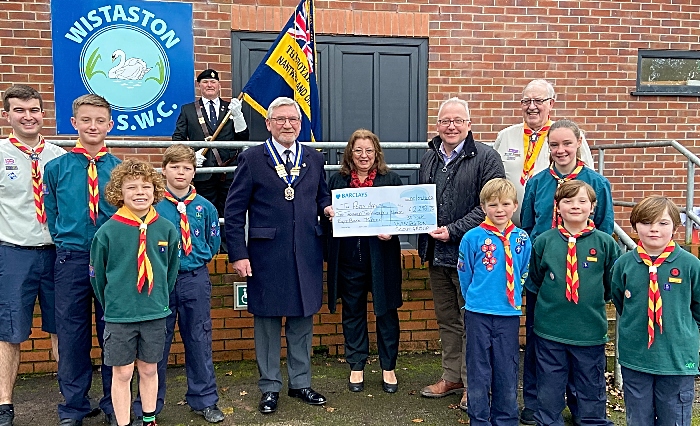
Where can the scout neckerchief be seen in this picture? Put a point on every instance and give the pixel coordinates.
(572, 280)
(37, 180)
(532, 144)
(126, 216)
(93, 188)
(184, 222)
(505, 239)
(282, 171)
(654, 310)
(571, 176)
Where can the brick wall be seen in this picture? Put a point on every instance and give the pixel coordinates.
(484, 51)
(232, 330)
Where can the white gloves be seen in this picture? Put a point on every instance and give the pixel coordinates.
(199, 157)
(234, 108)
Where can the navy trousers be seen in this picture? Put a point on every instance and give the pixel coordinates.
(530, 362)
(492, 356)
(74, 303)
(556, 362)
(656, 400)
(190, 303)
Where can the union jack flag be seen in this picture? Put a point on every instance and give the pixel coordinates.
(301, 32)
(288, 70)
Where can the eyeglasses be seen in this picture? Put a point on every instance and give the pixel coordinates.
(457, 122)
(538, 102)
(360, 151)
(281, 120)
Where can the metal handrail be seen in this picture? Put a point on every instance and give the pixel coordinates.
(247, 144)
(693, 160)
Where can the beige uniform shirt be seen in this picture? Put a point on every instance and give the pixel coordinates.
(18, 222)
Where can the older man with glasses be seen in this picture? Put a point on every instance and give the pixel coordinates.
(459, 167)
(524, 151)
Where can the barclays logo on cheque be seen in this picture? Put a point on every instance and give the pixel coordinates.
(124, 58)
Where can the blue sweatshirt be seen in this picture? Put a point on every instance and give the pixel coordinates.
(538, 202)
(204, 230)
(484, 290)
(66, 199)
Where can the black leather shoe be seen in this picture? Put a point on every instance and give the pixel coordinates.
(7, 414)
(70, 422)
(356, 387)
(389, 387)
(307, 395)
(268, 402)
(94, 407)
(212, 414)
(111, 419)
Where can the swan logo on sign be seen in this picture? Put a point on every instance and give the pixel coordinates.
(138, 55)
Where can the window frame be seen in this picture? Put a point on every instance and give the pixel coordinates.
(664, 90)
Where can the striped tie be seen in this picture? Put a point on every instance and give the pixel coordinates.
(654, 311)
(571, 176)
(93, 188)
(37, 180)
(572, 281)
(505, 239)
(125, 216)
(184, 222)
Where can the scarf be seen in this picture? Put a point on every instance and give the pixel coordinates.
(572, 281)
(93, 188)
(184, 222)
(654, 311)
(571, 176)
(505, 239)
(532, 145)
(126, 216)
(355, 180)
(37, 180)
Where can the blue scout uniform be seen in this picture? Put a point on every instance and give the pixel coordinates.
(72, 230)
(492, 324)
(658, 380)
(190, 304)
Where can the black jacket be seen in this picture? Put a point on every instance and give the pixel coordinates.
(477, 164)
(385, 256)
(188, 128)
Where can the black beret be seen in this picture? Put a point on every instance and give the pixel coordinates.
(207, 74)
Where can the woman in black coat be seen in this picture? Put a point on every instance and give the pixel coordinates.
(358, 265)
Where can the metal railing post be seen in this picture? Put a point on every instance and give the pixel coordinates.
(689, 198)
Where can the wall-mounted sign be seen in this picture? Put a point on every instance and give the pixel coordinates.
(138, 55)
(240, 293)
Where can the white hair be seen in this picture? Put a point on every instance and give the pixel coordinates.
(282, 101)
(543, 83)
(455, 100)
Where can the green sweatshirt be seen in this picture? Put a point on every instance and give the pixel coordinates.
(675, 350)
(114, 272)
(561, 320)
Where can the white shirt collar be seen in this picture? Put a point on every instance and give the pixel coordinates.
(280, 150)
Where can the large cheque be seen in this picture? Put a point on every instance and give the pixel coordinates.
(409, 209)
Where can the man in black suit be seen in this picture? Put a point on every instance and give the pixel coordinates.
(281, 187)
(198, 121)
